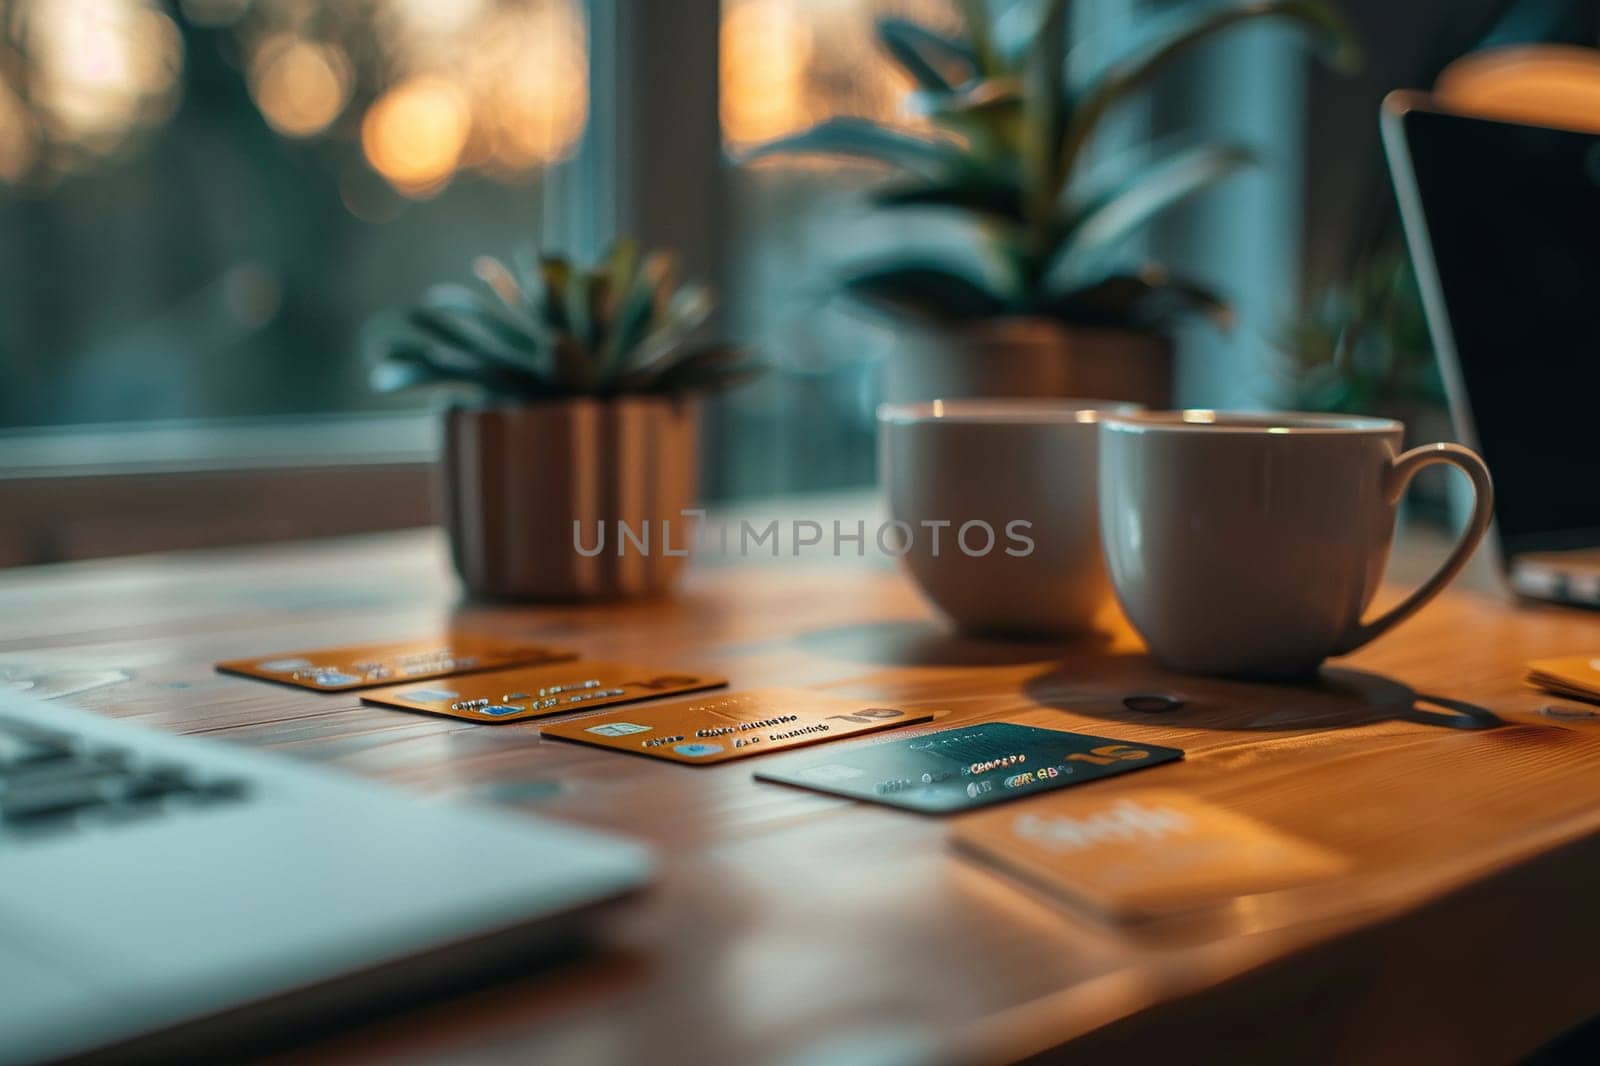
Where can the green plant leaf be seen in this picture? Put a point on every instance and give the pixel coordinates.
(581, 299)
(559, 331)
(1173, 299)
(986, 112)
(927, 56)
(926, 290)
(978, 193)
(1002, 93)
(975, 14)
(510, 325)
(688, 309)
(1044, 117)
(1168, 35)
(857, 138)
(1096, 230)
(622, 262)
(1150, 302)
(555, 275)
(1016, 28)
(469, 333)
(407, 362)
(632, 315)
(710, 369)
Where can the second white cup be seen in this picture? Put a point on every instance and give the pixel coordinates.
(998, 501)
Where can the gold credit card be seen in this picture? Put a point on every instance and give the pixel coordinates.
(1576, 676)
(719, 728)
(370, 665)
(536, 692)
(1141, 855)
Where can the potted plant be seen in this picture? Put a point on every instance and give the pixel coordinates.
(568, 474)
(1054, 308)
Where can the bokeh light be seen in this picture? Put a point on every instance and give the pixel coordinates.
(789, 63)
(419, 90)
(532, 89)
(85, 77)
(414, 134)
(766, 50)
(18, 140)
(300, 86)
(432, 87)
(1544, 85)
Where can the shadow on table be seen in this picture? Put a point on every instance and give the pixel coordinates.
(1338, 697)
(391, 1011)
(929, 643)
(1086, 678)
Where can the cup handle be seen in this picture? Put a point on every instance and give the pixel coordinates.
(1402, 469)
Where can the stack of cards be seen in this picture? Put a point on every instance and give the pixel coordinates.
(970, 766)
(1576, 677)
(370, 665)
(1142, 855)
(514, 695)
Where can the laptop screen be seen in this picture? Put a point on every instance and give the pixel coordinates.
(1513, 219)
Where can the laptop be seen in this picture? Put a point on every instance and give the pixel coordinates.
(1503, 224)
(159, 891)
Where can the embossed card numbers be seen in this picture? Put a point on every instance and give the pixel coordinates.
(371, 665)
(515, 695)
(717, 729)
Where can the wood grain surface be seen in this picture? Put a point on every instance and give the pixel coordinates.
(797, 928)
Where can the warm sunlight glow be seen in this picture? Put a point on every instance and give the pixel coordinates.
(442, 86)
(436, 17)
(300, 86)
(789, 63)
(17, 145)
(413, 135)
(1543, 85)
(531, 88)
(766, 47)
(99, 63)
(95, 72)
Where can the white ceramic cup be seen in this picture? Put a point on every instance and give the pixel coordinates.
(1251, 545)
(999, 499)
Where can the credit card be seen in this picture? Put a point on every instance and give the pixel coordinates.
(1576, 676)
(370, 665)
(717, 729)
(1144, 854)
(966, 767)
(536, 692)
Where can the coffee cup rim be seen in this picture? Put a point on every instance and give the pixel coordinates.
(1276, 423)
(1020, 411)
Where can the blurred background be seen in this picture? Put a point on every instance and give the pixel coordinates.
(201, 203)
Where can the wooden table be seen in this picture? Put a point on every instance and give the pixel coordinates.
(792, 927)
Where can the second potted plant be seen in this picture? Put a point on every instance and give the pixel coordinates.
(1042, 302)
(567, 474)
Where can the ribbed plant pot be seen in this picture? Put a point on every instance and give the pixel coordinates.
(536, 497)
(1027, 357)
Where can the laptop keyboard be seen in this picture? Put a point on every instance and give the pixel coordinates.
(53, 780)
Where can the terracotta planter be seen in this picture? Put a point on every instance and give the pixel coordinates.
(517, 479)
(1026, 357)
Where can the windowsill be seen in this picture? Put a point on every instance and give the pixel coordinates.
(222, 444)
(92, 491)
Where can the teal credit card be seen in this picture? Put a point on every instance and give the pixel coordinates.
(966, 767)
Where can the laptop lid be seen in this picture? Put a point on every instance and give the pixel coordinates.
(1503, 224)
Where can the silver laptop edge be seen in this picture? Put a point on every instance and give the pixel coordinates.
(315, 880)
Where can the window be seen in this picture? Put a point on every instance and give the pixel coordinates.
(203, 201)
